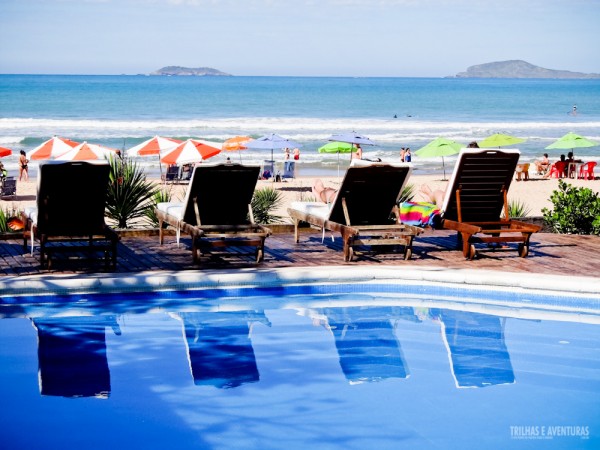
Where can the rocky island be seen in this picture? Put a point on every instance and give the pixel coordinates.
(519, 69)
(188, 71)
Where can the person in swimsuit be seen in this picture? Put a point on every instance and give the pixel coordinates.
(23, 166)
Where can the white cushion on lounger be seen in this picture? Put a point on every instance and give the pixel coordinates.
(318, 209)
(31, 212)
(171, 208)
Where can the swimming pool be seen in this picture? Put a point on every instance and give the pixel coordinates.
(355, 365)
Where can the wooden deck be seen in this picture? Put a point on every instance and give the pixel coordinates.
(549, 254)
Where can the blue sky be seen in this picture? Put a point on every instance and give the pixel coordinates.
(398, 38)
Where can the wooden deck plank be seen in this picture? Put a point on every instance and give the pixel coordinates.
(549, 253)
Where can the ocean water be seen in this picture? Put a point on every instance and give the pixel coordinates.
(122, 111)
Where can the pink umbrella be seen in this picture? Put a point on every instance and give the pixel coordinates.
(190, 151)
(5, 151)
(154, 146)
(87, 152)
(52, 148)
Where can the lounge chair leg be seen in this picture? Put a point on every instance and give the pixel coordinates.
(296, 235)
(160, 232)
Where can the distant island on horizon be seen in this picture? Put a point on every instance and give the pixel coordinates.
(519, 69)
(190, 72)
(499, 69)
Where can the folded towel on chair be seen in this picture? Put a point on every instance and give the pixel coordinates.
(420, 214)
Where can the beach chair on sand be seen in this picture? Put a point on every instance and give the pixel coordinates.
(476, 204)
(8, 187)
(361, 210)
(71, 198)
(216, 211)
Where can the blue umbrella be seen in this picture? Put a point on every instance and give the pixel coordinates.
(272, 141)
(351, 138)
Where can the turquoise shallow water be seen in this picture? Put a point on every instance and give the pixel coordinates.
(121, 111)
(325, 368)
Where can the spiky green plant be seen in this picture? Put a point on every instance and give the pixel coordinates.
(263, 203)
(517, 209)
(407, 194)
(129, 193)
(162, 195)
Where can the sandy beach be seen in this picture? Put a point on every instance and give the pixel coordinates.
(534, 193)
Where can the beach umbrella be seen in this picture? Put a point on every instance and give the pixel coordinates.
(351, 138)
(337, 147)
(87, 152)
(236, 143)
(190, 151)
(5, 152)
(52, 148)
(500, 140)
(439, 147)
(272, 141)
(571, 141)
(153, 146)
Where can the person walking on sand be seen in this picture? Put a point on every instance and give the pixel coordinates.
(23, 166)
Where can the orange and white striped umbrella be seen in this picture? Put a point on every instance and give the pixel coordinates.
(52, 148)
(5, 151)
(87, 152)
(154, 146)
(190, 151)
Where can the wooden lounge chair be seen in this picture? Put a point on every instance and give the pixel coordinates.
(71, 198)
(361, 210)
(476, 204)
(217, 210)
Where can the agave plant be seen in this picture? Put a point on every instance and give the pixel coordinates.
(263, 203)
(407, 194)
(130, 195)
(160, 196)
(517, 209)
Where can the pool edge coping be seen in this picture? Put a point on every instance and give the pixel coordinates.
(256, 277)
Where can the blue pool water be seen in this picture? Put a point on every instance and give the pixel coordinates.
(311, 369)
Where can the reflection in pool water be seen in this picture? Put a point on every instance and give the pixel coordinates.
(335, 375)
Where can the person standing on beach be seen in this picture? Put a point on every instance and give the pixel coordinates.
(286, 158)
(402, 153)
(407, 155)
(358, 153)
(296, 153)
(23, 166)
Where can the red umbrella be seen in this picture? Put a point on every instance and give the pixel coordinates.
(190, 151)
(154, 146)
(87, 152)
(5, 151)
(52, 148)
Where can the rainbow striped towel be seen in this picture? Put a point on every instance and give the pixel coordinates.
(420, 214)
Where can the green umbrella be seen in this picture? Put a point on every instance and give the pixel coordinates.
(338, 147)
(440, 147)
(571, 141)
(500, 140)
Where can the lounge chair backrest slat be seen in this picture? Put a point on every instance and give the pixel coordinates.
(71, 198)
(223, 193)
(370, 193)
(481, 175)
